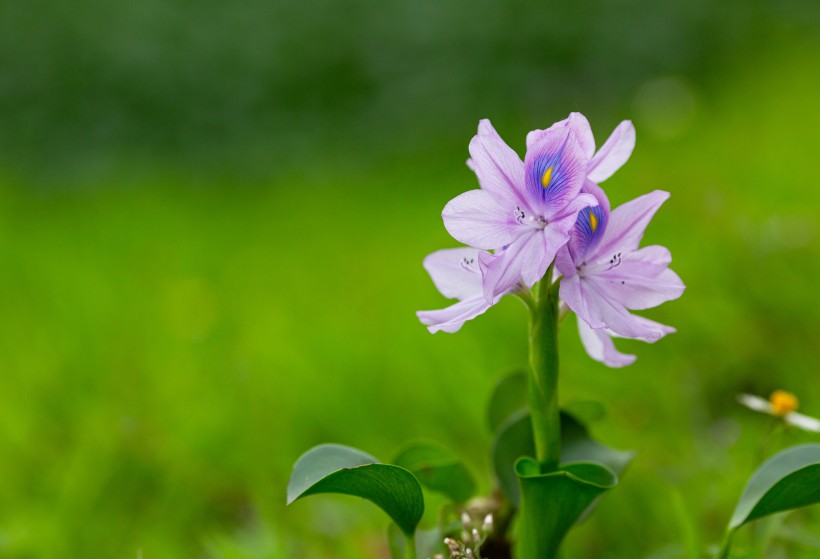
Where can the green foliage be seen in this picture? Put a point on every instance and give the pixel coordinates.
(514, 437)
(788, 480)
(334, 468)
(515, 440)
(557, 499)
(437, 469)
(509, 396)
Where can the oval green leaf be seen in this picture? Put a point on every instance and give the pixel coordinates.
(332, 468)
(437, 469)
(788, 480)
(509, 396)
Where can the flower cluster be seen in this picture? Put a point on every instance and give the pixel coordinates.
(472, 536)
(550, 210)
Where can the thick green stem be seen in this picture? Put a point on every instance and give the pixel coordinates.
(409, 547)
(543, 378)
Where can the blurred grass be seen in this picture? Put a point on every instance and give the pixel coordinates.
(172, 343)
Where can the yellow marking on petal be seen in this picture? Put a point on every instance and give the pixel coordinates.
(593, 221)
(783, 403)
(546, 178)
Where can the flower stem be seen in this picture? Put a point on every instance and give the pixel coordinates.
(409, 547)
(543, 378)
(726, 545)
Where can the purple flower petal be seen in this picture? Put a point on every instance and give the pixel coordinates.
(525, 259)
(636, 291)
(627, 224)
(574, 292)
(499, 169)
(555, 170)
(451, 319)
(599, 346)
(589, 230)
(455, 272)
(592, 188)
(603, 309)
(613, 154)
(662, 329)
(476, 219)
(578, 124)
(564, 264)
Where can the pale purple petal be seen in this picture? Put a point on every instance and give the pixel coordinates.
(476, 219)
(564, 264)
(455, 272)
(652, 259)
(569, 213)
(592, 188)
(613, 154)
(599, 346)
(555, 169)
(579, 125)
(661, 329)
(499, 169)
(451, 319)
(573, 291)
(604, 309)
(631, 286)
(627, 224)
(522, 260)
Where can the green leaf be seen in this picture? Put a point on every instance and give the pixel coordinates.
(509, 396)
(551, 502)
(437, 469)
(331, 468)
(515, 440)
(578, 446)
(788, 480)
(587, 411)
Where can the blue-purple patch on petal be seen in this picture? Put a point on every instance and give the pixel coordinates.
(555, 169)
(589, 229)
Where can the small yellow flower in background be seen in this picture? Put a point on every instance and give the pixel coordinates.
(781, 404)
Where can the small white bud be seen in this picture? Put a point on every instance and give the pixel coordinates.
(487, 527)
(466, 520)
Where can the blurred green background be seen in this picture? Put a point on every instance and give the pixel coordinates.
(212, 222)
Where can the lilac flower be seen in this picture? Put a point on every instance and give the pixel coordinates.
(605, 275)
(526, 208)
(456, 274)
